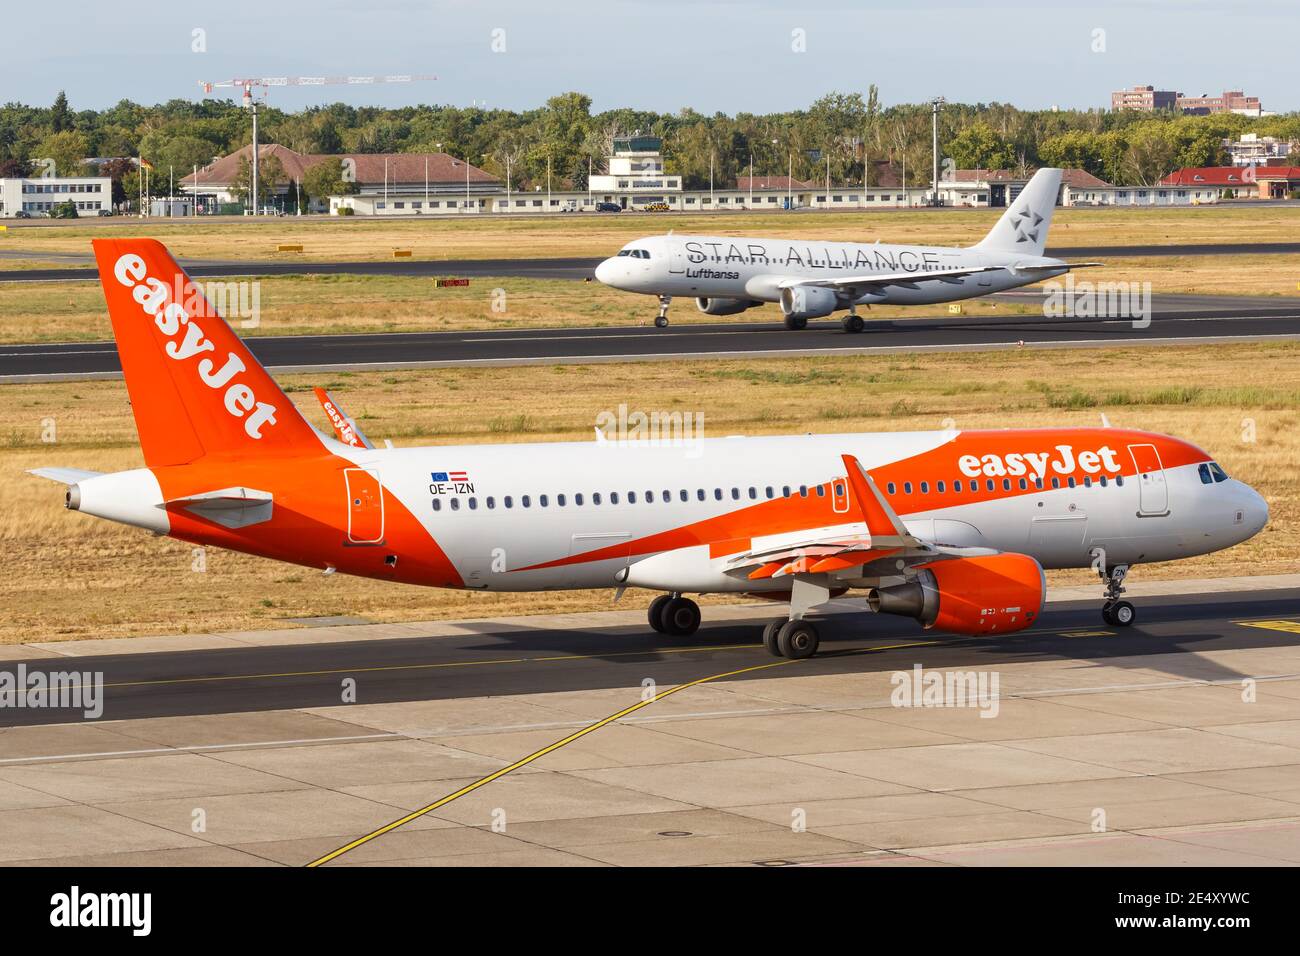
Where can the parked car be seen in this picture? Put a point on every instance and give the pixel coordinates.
(608, 207)
(106, 212)
(22, 214)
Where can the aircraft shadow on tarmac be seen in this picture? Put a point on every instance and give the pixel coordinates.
(505, 659)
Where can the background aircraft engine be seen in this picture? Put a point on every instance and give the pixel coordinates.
(724, 306)
(994, 593)
(808, 302)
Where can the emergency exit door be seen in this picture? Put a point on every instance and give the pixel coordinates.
(365, 506)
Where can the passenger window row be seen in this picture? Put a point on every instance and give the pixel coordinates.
(582, 499)
(991, 484)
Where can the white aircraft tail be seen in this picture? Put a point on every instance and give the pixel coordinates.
(1023, 227)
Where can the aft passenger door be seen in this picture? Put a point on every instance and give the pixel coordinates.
(1153, 492)
(365, 506)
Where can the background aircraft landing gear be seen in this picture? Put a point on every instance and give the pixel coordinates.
(1115, 612)
(853, 323)
(661, 320)
(795, 323)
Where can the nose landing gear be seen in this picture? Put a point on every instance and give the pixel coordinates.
(1115, 612)
(661, 320)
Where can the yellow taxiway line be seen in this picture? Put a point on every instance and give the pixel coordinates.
(551, 748)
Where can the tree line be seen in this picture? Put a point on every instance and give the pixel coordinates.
(849, 137)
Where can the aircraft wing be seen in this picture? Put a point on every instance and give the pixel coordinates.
(882, 536)
(889, 278)
(344, 427)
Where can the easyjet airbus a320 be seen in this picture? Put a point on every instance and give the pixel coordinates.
(952, 529)
(726, 275)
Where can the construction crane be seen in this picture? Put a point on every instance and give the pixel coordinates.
(266, 82)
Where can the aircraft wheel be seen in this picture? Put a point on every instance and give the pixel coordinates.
(656, 612)
(661, 321)
(795, 323)
(853, 323)
(770, 633)
(681, 617)
(1122, 614)
(797, 640)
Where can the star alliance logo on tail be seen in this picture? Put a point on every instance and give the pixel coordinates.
(1018, 222)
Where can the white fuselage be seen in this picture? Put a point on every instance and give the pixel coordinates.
(585, 511)
(754, 269)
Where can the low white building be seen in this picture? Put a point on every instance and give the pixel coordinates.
(37, 197)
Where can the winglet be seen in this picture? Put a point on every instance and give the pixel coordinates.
(881, 520)
(344, 427)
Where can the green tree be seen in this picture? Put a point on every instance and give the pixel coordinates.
(67, 149)
(326, 179)
(979, 147)
(270, 176)
(60, 115)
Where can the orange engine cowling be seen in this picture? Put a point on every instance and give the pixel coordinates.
(980, 595)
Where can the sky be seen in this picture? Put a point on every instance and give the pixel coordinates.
(662, 55)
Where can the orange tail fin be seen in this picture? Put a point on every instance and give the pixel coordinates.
(195, 388)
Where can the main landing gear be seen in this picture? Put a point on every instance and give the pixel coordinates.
(661, 320)
(793, 639)
(674, 615)
(796, 323)
(1115, 612)
(853, 323)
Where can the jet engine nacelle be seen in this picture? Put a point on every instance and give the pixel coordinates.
(995, 593)
(717, 306)
(808, 301)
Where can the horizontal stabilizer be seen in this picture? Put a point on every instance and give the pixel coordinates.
(68, 476)
(228, 507)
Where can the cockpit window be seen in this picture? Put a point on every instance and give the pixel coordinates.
(625, 252)
(1204, 472)
(635, 253)
(1218, 473)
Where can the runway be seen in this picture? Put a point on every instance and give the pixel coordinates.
(1175, 320)
(555, 268)
(584, 740)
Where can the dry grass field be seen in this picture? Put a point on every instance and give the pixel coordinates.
(70, 576)
(326, 239)
(310, 305)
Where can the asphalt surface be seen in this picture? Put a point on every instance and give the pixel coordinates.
(1175, 320)
(563, 268)
(507, 659)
